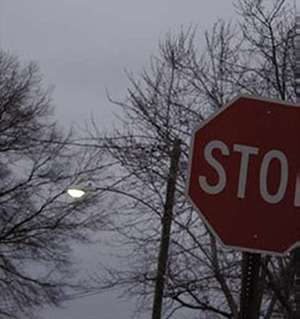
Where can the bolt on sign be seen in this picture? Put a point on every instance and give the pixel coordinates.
(244, 174)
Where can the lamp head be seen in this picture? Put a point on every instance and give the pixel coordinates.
(76, 192)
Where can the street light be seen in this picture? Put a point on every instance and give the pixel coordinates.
(76, 191)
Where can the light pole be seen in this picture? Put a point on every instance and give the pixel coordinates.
(166, 230)
(79, 192)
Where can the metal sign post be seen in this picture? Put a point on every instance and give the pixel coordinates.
(249, 301)
(297, 55)
(297, 90)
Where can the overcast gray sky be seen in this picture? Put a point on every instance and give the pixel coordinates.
(83, 47)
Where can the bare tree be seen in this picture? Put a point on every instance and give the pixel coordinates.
(255, 56)
(164, 108)
(37, 220)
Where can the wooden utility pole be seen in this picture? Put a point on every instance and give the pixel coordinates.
(166, 230)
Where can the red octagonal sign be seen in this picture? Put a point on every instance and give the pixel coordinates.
(244, 174)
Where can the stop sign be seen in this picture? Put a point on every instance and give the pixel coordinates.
(244, 174)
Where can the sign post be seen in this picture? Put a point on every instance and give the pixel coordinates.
(297, 90)
(249, 303)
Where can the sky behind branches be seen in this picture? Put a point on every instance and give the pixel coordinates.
(83, 48)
